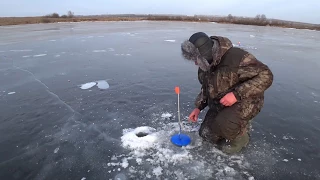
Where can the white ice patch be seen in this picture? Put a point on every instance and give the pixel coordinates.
(88, 85)
(102, 84)
(11, 93)
(23, 50)
(170, 40)
(84, 178)
(39, 55)
(252, 36)
(96, 51)
(25, 56)
(110, 49)
(56, 150)
(285, 160)
(53, 40)
(58, 55)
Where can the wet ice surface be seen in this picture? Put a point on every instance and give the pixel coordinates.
(54, 129)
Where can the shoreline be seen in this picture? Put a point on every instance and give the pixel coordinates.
(8, 21)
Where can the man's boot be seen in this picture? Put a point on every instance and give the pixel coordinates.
(236, 145)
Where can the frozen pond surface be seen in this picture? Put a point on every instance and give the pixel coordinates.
(96, 101)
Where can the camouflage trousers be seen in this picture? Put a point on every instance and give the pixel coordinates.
(223, 125)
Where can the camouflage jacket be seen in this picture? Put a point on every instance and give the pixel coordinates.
(247, 79)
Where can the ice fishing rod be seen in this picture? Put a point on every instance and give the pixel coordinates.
(180, 139)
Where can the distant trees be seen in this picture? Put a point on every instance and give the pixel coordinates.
(70, 14)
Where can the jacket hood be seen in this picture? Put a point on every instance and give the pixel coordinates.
(220, 46)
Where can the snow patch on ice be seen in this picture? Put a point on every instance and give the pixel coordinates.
(123, 54)
(96, 51)
(11, 93)
(170, 40)
(39, 55)
(22, 50)
(88, 85)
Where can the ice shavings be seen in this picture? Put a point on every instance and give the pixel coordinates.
(88, 85)
(157, 171)
(102, 84)
(131, 140)
(166, 115)
(153, 155)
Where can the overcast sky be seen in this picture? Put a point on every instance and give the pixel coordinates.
(296, 10)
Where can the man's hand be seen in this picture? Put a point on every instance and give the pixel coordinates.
(229, 99)
(194, 115)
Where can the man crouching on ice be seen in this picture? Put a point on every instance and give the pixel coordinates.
(233, 84)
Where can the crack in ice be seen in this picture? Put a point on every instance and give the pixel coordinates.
(48, 90)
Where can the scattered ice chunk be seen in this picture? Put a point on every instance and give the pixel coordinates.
(88, 85)
(157, 171)
(99, 51)
(56, 150)
(125, 163)
(299, 159)
(285, 160)
(39, 55)
(102, 84)
(166, 115)
(170, 40)
(83, 178)
(251, 178)
(11, 93)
